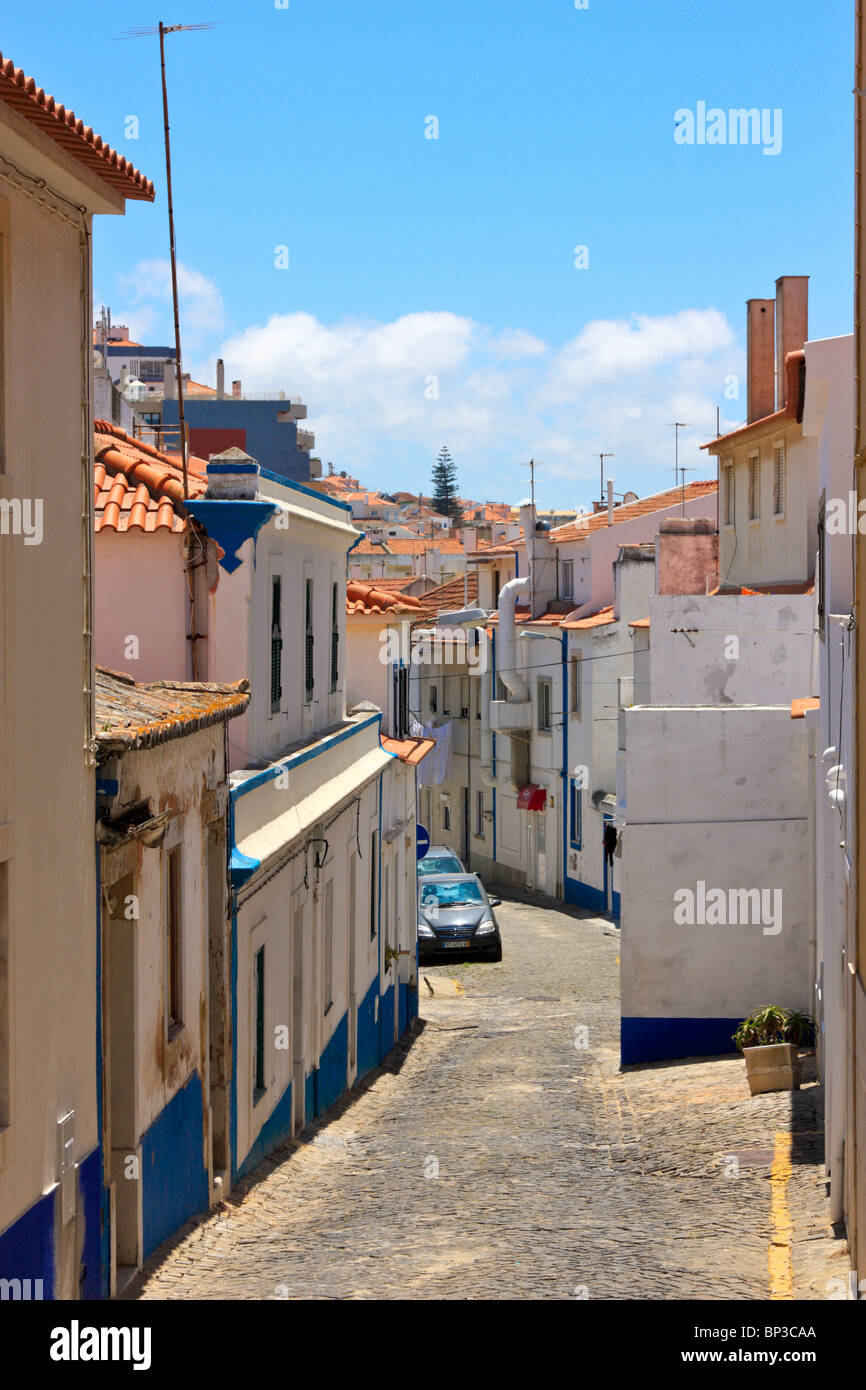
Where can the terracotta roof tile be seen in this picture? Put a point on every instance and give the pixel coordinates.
(64, 127)
(447, 598)
(403, 545)
(137, 488)
(804, 703)
(364, 598)
(599, 619)
(658, 501)
(129, 715)
(408, 750)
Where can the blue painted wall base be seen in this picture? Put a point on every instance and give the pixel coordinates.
(666, 1039)
(174, 1178)
(368, 1031)
(27, 1246)
(333, 1064)
(276, 1129)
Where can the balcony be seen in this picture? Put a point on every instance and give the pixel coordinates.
(510, 714)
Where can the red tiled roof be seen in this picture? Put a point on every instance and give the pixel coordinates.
(129, 715)
(447, 598)
(403, 545)
(795, 375)
(804, 703)
(485, 550)
(640, 622)
(599, 619)
(136, 487)
(629, 511)
(64, 127)
(369, 598)
(408, 750)
(807, 586)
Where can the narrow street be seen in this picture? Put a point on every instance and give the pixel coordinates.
(505, 1157)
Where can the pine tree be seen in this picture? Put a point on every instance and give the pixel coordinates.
(445, 485)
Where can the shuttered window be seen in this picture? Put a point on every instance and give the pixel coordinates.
(729, 495)
(335, 639)
(309, 682)
(276, 644)
(779, 480)
(754, 487)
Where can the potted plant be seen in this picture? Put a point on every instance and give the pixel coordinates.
(769, 1039)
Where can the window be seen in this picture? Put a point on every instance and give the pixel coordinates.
(496, 588)
(575, 675)
(730, 497)
(479, 814)
(446, 816)
(374, 883)
(568, 579)
(575, 815)
(259, 1084)
(821, 584)
(173, 940)
(545, 691)
(400, 723)
(434, 699)
(446, 698)
(755, 487)
(335, 638)
(276, 644)
(309, 679)
(779, 480)
(328, 946)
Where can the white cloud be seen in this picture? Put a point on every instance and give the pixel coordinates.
(148, 293)
(383, 397)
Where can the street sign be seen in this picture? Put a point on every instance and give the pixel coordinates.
(422, 841)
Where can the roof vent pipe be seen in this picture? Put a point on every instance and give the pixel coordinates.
(507, 661)
(610, 501)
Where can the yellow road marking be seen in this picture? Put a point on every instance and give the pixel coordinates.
(780, 1263)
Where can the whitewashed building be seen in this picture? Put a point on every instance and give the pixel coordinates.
(56, 174)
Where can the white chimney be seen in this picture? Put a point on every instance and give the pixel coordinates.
(610, 501)
(221, 379)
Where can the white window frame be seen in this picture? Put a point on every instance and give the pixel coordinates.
(729, 492)
(754, 481)
(779, 447)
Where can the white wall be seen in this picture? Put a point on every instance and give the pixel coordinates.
(691, 645)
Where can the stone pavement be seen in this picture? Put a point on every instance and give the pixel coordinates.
(501, 1154)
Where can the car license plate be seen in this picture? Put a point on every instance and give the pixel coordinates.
(449, 944)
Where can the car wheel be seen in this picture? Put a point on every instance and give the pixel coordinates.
(498, 955)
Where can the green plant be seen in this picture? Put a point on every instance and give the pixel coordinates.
(773, 1024)
(391, 954)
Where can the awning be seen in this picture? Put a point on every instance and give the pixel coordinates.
(531, 798)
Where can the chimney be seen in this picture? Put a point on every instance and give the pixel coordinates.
(760, 358)
(169, 381)
(236, 390)
(687, 555)
(610, 501)
(792, 326)
(221, 379)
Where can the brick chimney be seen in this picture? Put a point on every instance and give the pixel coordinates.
(760, 358)
(236, 390)
(687, 555)
(792, 326)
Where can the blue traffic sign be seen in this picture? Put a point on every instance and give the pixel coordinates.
(422, 841)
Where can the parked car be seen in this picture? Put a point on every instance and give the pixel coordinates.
(455, 917)
(439, 859)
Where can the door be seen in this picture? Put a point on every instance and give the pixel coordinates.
(217, 1004)
(298, 1062)
(350, 970)
(121, 1075)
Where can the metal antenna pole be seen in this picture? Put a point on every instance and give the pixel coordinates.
(172, 253)
(601, 459)
(679, 425)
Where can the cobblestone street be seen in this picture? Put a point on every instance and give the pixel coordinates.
(501, 1158)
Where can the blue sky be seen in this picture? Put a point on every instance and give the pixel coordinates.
(421, 266)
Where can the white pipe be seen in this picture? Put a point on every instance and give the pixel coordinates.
(507, 662)
(610, 501)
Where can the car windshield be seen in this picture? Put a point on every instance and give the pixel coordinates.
(439, 864)
(460, 894)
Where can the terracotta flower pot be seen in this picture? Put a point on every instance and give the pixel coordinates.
(774, 1067)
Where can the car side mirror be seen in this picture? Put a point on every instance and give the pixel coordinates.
(495, 902)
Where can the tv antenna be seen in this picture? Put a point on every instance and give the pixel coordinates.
(677, 426)
(141, 33)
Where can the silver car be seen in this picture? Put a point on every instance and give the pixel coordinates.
(455, 917)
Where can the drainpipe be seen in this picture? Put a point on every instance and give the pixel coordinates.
(507, 657)
(563, 801)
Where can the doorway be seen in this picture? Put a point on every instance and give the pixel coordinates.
(298, 1068)
(121, 1075)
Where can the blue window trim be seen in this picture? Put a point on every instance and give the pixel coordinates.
(574, 801)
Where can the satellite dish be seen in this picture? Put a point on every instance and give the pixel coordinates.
(629, 497)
